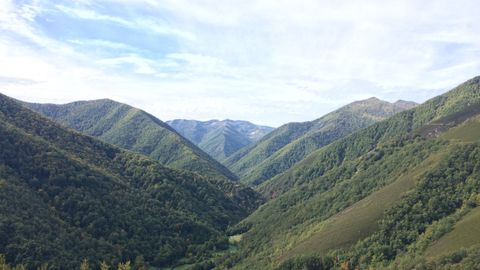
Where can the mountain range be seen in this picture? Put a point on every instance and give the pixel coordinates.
(220, 139)
(372, 185)
(402, 193)
(292, 142)
(68, 197)
(136, 130)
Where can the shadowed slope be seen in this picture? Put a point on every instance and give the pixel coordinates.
(136, 130)
(67, 196)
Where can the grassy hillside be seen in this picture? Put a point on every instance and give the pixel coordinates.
(465, 234)
(459, 102)
(467, 132)
(220, 139)
(66, 197)
(361, 219)
(136, 130)
(289, 144)
(378, 190)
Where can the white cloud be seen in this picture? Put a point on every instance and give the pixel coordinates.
(151, 25)
(92, 15)
(103, 43)
(267, 61)
(141, 65)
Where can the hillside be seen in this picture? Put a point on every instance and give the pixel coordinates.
(220, 139)
(67, 196)
(376, 198)
(290, 143)
(135, 130)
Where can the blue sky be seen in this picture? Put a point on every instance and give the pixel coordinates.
(266, 61)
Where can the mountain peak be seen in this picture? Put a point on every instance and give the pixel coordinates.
(92, 101)
(368, 101)
(405, 104)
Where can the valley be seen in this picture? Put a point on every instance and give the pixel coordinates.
(239, 135)
(371, 184)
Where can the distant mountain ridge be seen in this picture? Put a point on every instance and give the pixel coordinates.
(220, 138)
(136, 130)
(290, 143)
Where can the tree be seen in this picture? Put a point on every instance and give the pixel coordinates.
(43, 267)
(84, 265)
(104, 266)
(124, 266)
(139, 263)
(3, 263)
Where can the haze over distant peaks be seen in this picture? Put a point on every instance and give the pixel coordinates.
(405, 104)
(220, 138)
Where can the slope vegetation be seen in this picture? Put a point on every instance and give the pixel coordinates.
(135, 130)
(382, 191)
(220, 139)
(67, 196)
(289, 144)
(465, 234)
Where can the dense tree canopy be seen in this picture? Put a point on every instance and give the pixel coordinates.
(66, 197)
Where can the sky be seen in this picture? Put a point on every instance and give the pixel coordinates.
(266, 61)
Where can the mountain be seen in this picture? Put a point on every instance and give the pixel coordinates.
(290, 143)
(135, 130)
(402, 193)
(404, 105)
(220, 139)
(66, 196)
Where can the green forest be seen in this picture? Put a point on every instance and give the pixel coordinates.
(290, 143)
(68, 197)
(136, 130)
(373, 185)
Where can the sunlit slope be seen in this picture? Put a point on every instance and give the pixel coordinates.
(465, 234)
(313, 194)
(466, 132)
(361, 219)
(456, 103)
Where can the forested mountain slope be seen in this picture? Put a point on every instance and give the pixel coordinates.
(290, 143)
(66, 196)
(220, 139)
(136, 130)
(385, 196)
